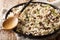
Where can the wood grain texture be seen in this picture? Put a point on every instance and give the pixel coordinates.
(7, 35)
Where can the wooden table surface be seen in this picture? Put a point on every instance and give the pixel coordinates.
(7, 4)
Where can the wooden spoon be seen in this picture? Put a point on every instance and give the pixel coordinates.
(11, 22)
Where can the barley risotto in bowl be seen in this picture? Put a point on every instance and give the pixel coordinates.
(37, 20)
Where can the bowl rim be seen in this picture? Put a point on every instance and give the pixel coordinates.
(32, 35)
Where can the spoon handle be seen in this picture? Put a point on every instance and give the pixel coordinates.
(17, 15)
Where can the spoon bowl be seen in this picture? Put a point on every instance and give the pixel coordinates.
(10, 23)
